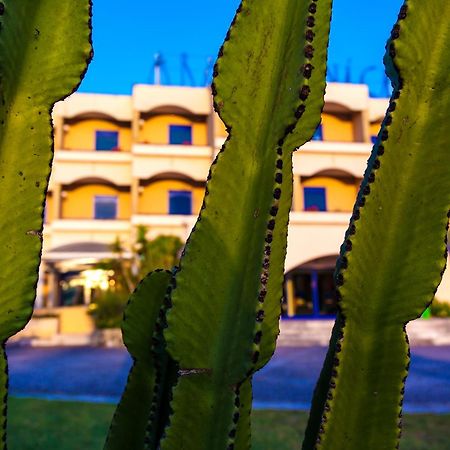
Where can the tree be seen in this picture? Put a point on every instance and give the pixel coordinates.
(163, 252)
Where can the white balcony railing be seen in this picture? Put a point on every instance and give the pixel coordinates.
(189, 160)
(92, 156)
(74, 165)
(318, 156)
(178, 225)
(319, 218)
(184, 151)
(89, 225)
(344, 148)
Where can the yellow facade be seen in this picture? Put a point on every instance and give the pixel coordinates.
(49, 209)
(155, 130)
(80, 135)
(337, 127)
(154, 198)
(78, 203)
(219, 127)
(75, 320)
(340, 194)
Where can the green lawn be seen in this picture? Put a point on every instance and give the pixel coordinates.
(40, 424)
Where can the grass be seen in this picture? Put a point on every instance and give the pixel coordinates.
(53, 425)
(274, 430)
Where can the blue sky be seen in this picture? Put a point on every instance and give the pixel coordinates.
(127, 38)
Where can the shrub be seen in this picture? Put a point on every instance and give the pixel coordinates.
(440, 309)
(107, 308)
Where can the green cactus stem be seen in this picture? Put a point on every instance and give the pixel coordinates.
(268, 88)
(395, 249)
(44, 50)
(133, 425)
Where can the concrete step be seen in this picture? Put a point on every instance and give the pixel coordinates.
(307, 332)
(63, 340)
(293, 333)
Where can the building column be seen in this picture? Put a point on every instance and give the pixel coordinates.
(297, 194)
(56, 195)
(132, 238)
(134, 195)
(53, 299)
(211, 132)
(58, 124)
(135, 126)
(361, 127)
(39, 300)
(87, 294)
(290, 297)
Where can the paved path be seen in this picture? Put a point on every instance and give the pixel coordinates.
(287, 382)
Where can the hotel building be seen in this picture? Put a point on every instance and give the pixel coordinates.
(142, 159)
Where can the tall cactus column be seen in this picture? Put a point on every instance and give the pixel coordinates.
(268, 89)
(395, 249)
(44, 49)
(219, 316)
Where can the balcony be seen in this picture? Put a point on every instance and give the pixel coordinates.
(190, 160)
(116, 156)
(353, 148)
(68, 231)
(318, 156)
(176, 225)
(319, 218)
(191, 151)
(73, 165)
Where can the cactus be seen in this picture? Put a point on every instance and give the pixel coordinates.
(129, 429)
(268, 89)
(44, 49)
(221, 312)
(395, 249)
(198, 335)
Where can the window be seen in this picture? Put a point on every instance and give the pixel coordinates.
(180, 134)
(318, 134)
(180, 202)
(315, 199)
(106, 140)
(105, 207)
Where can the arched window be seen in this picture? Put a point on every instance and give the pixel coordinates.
(329, 190)
(170, 193)
(98, 132)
